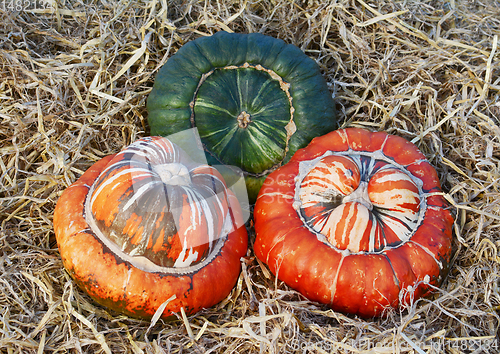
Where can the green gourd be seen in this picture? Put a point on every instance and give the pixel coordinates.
(254, 99)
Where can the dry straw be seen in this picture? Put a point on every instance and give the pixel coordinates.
(74, 78)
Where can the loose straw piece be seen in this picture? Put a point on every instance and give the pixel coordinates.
(77, 92)
(159, 312)
(186, 324)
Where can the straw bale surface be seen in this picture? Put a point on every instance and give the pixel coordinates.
(74, 79)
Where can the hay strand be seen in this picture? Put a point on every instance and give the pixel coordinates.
(74, 79)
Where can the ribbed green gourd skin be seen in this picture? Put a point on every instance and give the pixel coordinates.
(262, 145)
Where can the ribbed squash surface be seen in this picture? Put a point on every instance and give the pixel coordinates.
(149, 225)
(254, 99)
(355, 220)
